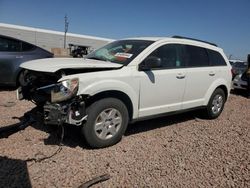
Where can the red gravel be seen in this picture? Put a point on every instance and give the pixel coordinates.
(174, 151)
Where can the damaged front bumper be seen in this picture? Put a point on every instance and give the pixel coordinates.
(59, 113)
(70, 112)
(59, 99)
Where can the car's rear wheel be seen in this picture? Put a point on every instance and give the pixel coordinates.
(106, 122)
(215, 104)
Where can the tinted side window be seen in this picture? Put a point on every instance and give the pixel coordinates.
(169, 55)
(9, 45)
(27, 47)
(195, 56)
(216, 59)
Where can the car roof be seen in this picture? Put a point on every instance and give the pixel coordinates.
(236, 60)
(9, 37)
(179, 40)
(148, 38)
(19, 40)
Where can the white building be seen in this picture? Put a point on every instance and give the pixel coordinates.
(49, 39)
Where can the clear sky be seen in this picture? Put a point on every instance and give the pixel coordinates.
(225, 22)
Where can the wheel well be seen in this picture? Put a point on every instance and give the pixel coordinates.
(224, 88)
(114, 94)
(17, 84)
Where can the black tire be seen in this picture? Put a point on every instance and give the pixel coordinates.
(96, 138)
(216, 104)
(21, 78)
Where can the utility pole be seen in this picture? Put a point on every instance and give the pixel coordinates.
(66, 25)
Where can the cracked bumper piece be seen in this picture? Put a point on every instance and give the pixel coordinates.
(58, 114)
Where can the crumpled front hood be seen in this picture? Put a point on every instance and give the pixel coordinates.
(55, 64)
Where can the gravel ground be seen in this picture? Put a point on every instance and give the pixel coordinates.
(174, 151)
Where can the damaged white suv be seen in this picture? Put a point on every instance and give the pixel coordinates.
(126, 81)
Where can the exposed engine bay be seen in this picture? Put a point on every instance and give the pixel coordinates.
(58, 100)
(33, 83)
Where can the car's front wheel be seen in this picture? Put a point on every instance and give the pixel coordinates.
(106, 122)
(215, 104)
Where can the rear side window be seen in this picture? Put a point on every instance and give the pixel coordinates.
(27, 47)
(9, 45)
(195, 56)
(216, 58)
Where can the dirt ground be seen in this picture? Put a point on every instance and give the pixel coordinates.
(174, 151)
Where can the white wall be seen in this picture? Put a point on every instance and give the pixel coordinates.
(48, 39)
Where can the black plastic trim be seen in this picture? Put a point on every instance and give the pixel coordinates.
(167, 114)
(181, 37)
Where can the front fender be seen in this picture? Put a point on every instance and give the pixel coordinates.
(131, 90)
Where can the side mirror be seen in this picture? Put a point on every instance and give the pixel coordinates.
(150, 62)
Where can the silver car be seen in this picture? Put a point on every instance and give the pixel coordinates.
(240, 81)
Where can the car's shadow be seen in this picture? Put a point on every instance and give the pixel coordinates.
(239, 92)
(7, 88)
(156, 123)
(14, 173)
(72, 134)
(67, 135)
(73, 137)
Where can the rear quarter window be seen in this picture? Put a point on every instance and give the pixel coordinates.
(27, 47)
(216, 59)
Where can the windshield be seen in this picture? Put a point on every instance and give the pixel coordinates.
(122, 52)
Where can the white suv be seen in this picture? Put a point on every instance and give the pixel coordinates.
(126, 81)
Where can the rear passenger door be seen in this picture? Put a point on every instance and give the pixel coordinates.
(200, 74)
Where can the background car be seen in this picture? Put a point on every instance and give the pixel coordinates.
(240, 81)
(239, 75)
(238, 67)
(13, 52)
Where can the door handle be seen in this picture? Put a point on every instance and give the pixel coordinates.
(180, 76)
(211, 74)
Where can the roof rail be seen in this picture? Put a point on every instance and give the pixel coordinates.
(180, 37)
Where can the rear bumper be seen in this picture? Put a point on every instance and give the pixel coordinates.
(238, 83)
